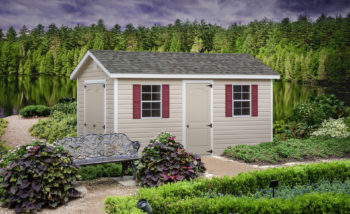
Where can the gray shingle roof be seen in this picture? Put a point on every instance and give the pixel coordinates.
(181, 63)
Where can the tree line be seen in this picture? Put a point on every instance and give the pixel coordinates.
(302, 50)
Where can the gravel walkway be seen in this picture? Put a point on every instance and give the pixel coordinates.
(16, 132)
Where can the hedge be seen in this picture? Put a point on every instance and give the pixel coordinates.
(309, 203)
(243, 184)
(35, 110)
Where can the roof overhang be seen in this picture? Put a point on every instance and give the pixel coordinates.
(165, 76)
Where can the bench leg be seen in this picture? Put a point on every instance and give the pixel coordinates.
(133, 167)
(124, 167)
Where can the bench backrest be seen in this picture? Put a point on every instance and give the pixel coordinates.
(100, 148)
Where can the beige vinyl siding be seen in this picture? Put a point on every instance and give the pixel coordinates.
(229, 131)
(91, 71)
(145, 129)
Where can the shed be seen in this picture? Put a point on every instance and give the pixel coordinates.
(208, 101)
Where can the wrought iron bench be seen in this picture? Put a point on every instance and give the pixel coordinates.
(95, 149)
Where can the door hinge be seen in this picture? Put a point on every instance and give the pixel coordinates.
(210, 125)
(85, 124)
(188, 126)
(104, 127)
(84, 86)
(210, 151)
(210, 85)
(104, 85)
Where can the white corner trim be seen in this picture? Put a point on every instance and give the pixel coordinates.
(271, 96)
(184, 128)
(82, 61)
(115, 105)
(184, 113)
(78, 106)
(192, 76)
(86, 82)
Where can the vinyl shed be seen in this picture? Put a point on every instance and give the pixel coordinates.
(208, 101)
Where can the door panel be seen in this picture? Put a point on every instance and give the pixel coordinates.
(94, 109)
(198, 118)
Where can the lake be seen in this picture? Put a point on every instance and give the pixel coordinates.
(19, 91)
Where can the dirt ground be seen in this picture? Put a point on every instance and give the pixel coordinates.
(16, 132)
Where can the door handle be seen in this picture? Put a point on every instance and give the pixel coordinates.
(94, 125)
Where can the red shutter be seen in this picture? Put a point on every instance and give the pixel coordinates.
(228, 100)
(254, 100)
(165, 101)
(136, 101)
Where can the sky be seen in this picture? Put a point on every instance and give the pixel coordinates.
(161, 12)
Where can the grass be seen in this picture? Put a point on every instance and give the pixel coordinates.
(102, 170)
(292, 149)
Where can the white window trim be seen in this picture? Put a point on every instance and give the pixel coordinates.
(87, 82)
(184, 127)
(150, 101)
(250, 100)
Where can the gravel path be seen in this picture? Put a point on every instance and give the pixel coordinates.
(16, 132)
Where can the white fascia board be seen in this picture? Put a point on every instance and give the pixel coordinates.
(82, 61)
(192, 76)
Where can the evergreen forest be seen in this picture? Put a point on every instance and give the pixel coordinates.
(303, 50)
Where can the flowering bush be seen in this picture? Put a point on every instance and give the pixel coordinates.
(332, 128)
(36, 175)
(164, 160)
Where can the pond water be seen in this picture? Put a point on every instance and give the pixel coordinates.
(19, 91)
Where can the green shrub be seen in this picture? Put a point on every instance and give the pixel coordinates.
(102, 170)
(292, 149)
(347, 122)
(333, 128)
(39, 174)
(66, 100)
(318, 109)
(35, 110)
(164, 160)
(3, 124)
(57, 126)
(162, 197)
(65, 107)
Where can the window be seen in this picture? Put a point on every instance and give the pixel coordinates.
(151, 100)
(241, 100)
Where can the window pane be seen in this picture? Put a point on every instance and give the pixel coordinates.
(237, 88)
(146, 113)
(146, 105)
(155, 113)
(245, 96)
(146, 88)
(246, 111)
(237, 104)
(155, 88)
(155, 96)
(146, 96)
(155, 106)
(246, 104)
(237, 96)
(245, 88)
(237, 111)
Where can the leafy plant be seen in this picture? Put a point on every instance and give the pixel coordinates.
(164, 160)
(333, 128)
(39, 174)
(35, 110)
(66, 100)
(65, 107)
(57, 126)
(292, 149)
(3, 124)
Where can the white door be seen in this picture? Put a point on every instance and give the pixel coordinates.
(94, 109)
(198, 118)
